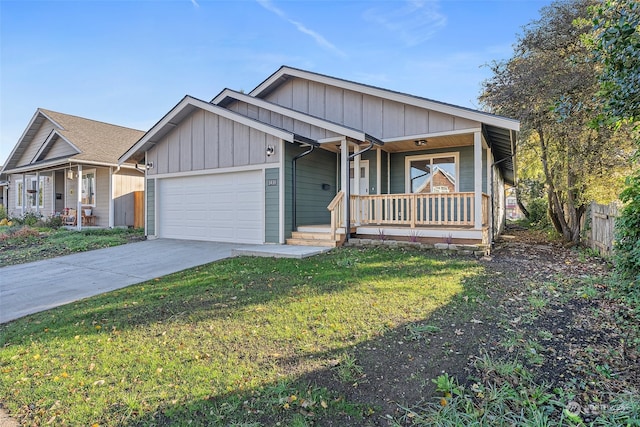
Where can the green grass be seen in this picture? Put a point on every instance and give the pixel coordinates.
(20, 245)
(222, 344)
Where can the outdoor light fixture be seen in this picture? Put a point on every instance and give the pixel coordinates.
(270, 150)
(149, 165)
(70, 174)
(420, 142)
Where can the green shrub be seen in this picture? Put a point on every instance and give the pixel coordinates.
(3, 212)
(538, 213)
(627, 245)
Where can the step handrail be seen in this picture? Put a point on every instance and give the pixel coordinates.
(336, 209)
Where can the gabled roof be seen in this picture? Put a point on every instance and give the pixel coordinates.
(500, 132)
(91, 140)
(185, 107)
(223, 99)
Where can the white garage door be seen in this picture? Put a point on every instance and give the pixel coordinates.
(223, 207)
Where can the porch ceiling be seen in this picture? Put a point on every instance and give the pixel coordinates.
(438, 142)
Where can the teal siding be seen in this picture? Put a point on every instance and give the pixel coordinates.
(272, 206)
(384, 172)
(313, 170)
(151, 207)
(465, 168)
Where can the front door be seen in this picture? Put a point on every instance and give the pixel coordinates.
(364, 178)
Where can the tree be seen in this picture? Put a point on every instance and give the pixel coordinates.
(549, 85)
(616, 40)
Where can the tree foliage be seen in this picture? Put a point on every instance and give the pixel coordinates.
(616, 39)
(549, 85)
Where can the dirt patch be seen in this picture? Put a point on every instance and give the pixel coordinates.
(543, 305)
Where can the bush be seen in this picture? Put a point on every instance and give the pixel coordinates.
(627, 245)
(538, 213)
(28, 218)
(3, 212)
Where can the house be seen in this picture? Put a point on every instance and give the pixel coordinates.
(277, 165)
(64, 162)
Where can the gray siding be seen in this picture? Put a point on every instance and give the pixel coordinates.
(151, 207)
(465, 168)
(204, 140)
(382, 118)
(59, 148)
(313, 170)
(103, 197)
(36, 143)
(272, 206)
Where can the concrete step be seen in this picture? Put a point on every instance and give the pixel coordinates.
(312, 242)
(310, 236)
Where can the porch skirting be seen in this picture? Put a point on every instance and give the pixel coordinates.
(462, 236)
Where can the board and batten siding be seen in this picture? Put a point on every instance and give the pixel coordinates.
(36, 143)
(204, 140)
(126, 182)
(379, 117)
(272, 205)
(312, 171)
(278, 120)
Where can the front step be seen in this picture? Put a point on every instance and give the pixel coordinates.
(314, 236)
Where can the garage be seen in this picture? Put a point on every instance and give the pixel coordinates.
(226, 207)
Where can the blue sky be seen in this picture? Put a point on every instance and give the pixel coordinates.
(128, 62)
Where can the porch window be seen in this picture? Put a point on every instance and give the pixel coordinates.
(19, 194)
(36, 193)
(432, 174)
(89, 188)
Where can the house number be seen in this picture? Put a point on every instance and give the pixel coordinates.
(272, 182)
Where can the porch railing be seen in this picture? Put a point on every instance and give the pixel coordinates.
(421, 209)
(414, 210)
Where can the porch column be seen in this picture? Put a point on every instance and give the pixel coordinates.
(79, 204)
(490, 191)
(477, 179)
(378, 170)
(344, 173)
(37, 195)
(356, 173)
(112, 196)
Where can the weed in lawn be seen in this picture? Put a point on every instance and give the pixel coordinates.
(348, 370)
(417, 331)
(545, 335)
(537, 302)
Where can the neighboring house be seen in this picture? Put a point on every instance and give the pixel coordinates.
(66, 162)
(256, 167)
(512, 208)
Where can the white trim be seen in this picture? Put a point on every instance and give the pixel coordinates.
(442, 233)
(223, 112)
(431, 135)
(390, 95)
(81, 174)
(112, 189)
(288, 112)
(79, 199)
(477, 178)
(409, 159)
(378, 170)
(357, 181)
(217, 171)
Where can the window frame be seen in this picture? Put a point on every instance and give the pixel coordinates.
(95, 185)
(430, 157)
(19, 194)
(39, 195)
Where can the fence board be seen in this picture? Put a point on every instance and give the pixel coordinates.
(599, 227)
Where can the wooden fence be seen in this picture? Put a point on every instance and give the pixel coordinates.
(599, 227)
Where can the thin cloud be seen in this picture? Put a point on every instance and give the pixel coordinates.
(195, 4)
(414, 23)
(318, 38)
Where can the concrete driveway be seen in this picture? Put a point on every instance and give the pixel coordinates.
(38, 286)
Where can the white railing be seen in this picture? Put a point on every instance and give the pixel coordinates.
(415, 210)
(336, 207)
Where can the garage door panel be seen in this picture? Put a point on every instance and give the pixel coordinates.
(221, 207)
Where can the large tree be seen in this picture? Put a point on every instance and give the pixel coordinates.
(549, 85)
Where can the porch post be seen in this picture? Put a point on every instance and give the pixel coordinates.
(79, 204)
(356, 174)
(490, 191)
(344, 175)
(477, 179)
(378, 170)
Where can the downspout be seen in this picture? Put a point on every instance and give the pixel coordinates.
(294, 226)
(492, 195)
(347, 229)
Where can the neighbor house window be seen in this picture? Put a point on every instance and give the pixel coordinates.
(432, 174)
(89, 188)
(36, 192)
(19, 194)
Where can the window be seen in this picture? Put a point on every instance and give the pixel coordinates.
(19, 194)
(89, 188)
(35, 192)
(432, 174)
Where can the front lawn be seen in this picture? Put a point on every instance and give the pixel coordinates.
(21, 244)
(225, 343)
